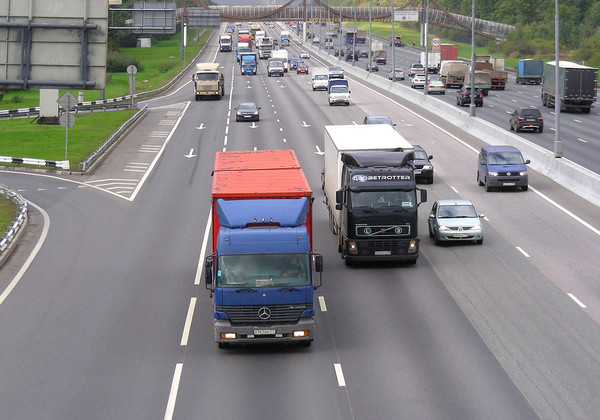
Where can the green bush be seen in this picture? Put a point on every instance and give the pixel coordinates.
(117, 62)
(594, 60)
(165, 67)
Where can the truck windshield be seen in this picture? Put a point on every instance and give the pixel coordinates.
(207, 76)
(505, 158)
(339, 89)
(248, 62)
(380, 199)
(263, 270)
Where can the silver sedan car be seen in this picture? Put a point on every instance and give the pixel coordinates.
(455, 221)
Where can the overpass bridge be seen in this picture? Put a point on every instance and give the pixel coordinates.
(321, 11)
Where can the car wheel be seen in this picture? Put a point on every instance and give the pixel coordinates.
(430, 180)
(478, 180)
(511, 127)
(436, 240)
(487, 187)
(430, 232)
(479, 241)
(517, 129)
(541, 130)
(525, 188)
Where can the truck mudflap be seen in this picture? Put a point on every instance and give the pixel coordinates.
(363, 250)
(301, 333)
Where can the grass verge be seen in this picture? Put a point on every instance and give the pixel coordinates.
(23, 139)
(8, 211)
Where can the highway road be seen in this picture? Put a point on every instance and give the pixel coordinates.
(104, 314)
(577, 130)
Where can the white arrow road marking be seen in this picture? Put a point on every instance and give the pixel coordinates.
(254, 125)
(318, 152)
(304, 124)
(201, 127)
(191, 154)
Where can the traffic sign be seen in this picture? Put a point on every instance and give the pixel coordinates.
(67, 120)
(436, 42)
(67, 100)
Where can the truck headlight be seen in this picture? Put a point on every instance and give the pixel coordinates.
(523, 173)
(352, 248)
(299, 334)
(228, 336)
(493, 173)
(412, 247)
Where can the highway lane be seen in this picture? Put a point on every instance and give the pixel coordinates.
(577, 131)
(406, 349)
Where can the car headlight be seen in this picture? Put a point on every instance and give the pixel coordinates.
(476, 227)
(443, 228)
(427, 167)
(255, 112)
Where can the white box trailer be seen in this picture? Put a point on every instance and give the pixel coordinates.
(355, 138)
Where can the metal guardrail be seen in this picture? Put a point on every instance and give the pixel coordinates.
(18, 222)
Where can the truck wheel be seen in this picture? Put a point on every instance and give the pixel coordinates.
(478, 180)
(487, 187)
(223, 345)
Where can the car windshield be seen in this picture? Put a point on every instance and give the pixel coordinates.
(207, 76)
(379, 120)
(276, 63)
(339, 89)
(247, 107)
(263, 270)
(459, 211)
(421, 155)
(380, 199)
(321, 77)
(505, 158)
(335, 69)
(530, 113)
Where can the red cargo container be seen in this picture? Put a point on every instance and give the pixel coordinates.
(447, 51)
(259, 174)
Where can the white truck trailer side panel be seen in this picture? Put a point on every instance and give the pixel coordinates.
(355, 138)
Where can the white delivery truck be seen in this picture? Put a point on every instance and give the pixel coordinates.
(283, 56)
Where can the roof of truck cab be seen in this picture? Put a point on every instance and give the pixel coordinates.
(207, 66)
(367, 137)
(280, 183)
(256, 160)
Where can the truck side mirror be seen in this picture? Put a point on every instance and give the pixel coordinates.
(527, 162)
(339, 197)
(423, 196)
(208, 271)
(318, 263)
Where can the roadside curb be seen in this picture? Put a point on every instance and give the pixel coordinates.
(11, 237)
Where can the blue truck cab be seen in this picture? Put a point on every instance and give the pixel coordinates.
(502, 167)
(248, 63)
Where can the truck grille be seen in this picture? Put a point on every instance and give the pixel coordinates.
(388, 230)
(391, 245)
(249, 314)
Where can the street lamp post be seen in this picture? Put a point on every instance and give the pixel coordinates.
(557, 100)
(425, 86)
(472, 112)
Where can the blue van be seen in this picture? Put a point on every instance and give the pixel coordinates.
(502, 167)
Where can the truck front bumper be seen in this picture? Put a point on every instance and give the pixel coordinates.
(303, 331)
(356, 250)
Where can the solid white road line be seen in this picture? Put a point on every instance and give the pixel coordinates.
(572, 296)
(32, 256)
(522, 251)
(203, 249)
(322, 304)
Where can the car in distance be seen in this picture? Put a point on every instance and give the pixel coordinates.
(528, 118)
(373, 66)
(463, 96)
(436, 86)
(316, 40)
(302, 68)
(294, 62)
(352, 55)
(247, 111)
(305, 55)
(416, 68)
(378, 119)
(422, 165)
(363, 54)
(502, 167)
(399, 74)
(455, 221)
(336, 72)
(418, 81)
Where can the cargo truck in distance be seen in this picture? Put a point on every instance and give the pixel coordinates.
(396, 40)
(264, 45)
(577, 86)
(433, 61)
(530, 71)
(482, 81)
(371, 193)
(261, 270)
(495, 68)
(285, 38)
(208, 81)
(452, 73)
(378, 54)
(225, 42)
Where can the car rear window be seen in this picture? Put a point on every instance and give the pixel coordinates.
(530, 112)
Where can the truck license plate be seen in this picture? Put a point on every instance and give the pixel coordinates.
(383, 252)
(264, 332)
